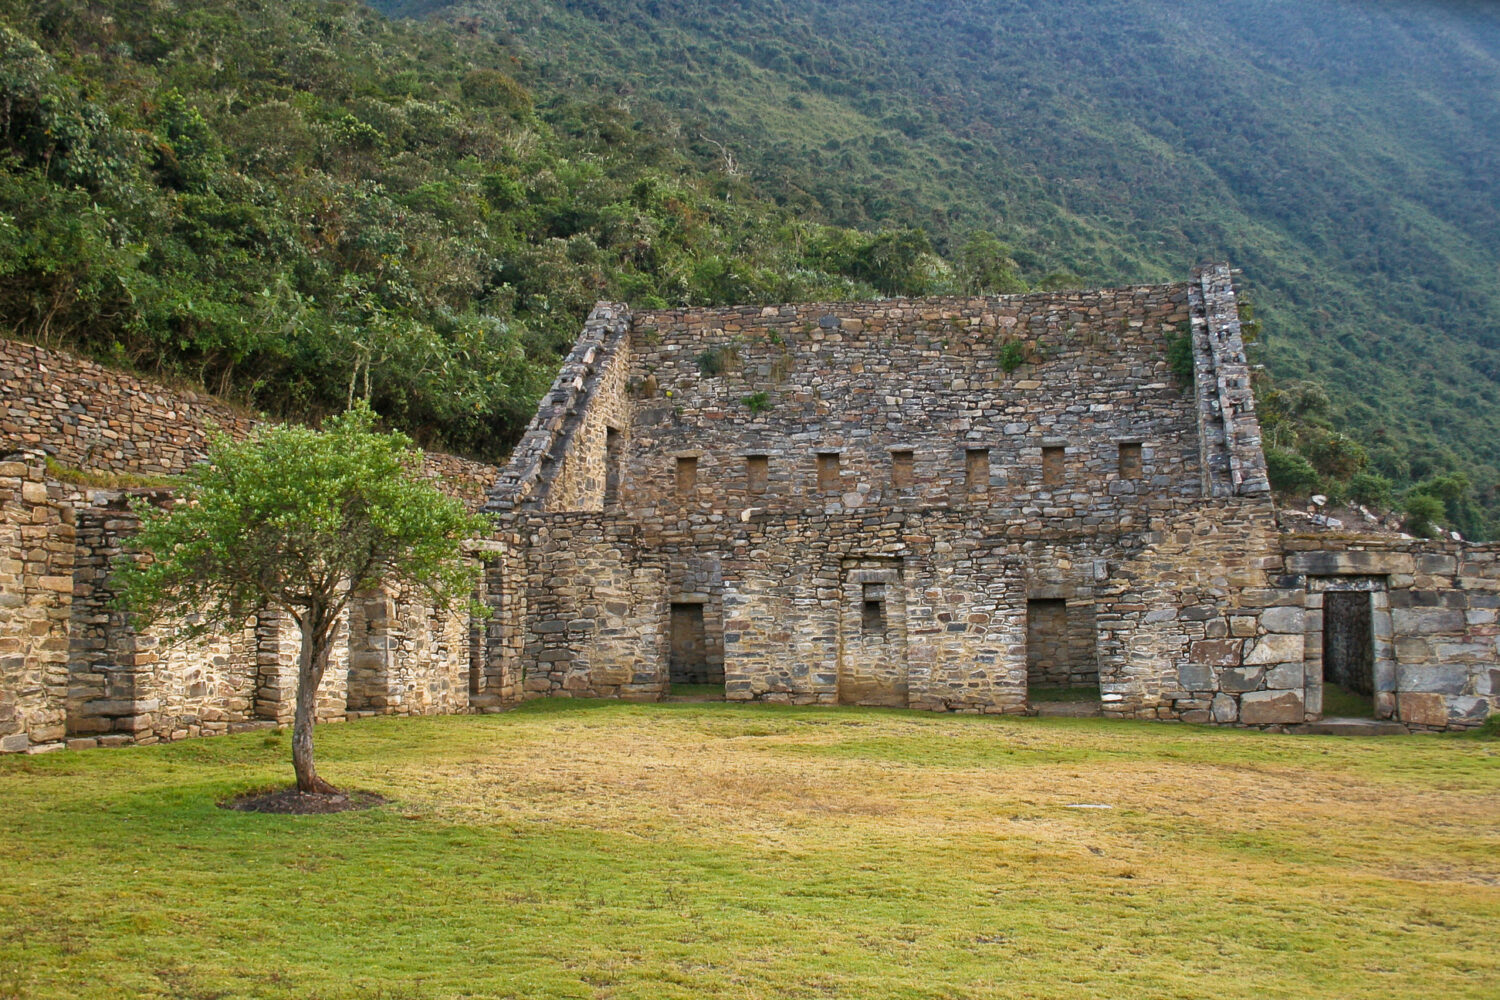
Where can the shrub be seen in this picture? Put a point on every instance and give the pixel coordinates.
(1422, 513)
(1012, 355)
(758, 402)
(1180, 358)
(1289, 472)
(1337, 455)
(716, 361)
(1370, 488)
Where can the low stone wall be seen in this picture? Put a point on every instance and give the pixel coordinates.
(75, 668)
(97, 419)
(91, 417)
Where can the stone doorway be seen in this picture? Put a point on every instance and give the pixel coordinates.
(691, 663)
(872, 634)
(1062, 664)
(1348, 655)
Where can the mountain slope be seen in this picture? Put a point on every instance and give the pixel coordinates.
(1344, 154)
(296, 203)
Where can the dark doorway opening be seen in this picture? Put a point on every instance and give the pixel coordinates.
(1062, 668)
(690, 662)
(1348, 655)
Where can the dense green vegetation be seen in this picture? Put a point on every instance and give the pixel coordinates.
(1344, 154)
(302, 203)
(592, 849)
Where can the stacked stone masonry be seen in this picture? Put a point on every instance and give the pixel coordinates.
(934, 504)
(871, 503)
(73, 668)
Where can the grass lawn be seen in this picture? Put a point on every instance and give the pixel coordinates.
(1036, 693)
(607, 850)
(1341, 703)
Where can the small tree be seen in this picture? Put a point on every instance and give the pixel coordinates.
(299, 520)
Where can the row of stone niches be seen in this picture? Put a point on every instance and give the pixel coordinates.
(1061, 646)
(829, 473)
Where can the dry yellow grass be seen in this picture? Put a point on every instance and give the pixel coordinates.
(612, 851)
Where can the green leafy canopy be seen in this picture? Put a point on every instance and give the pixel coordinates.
(297, 519)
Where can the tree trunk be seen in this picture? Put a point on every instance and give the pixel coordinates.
(311, 662)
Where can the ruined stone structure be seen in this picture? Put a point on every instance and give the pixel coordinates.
(74, 670)
(942, 503)
(945, 504)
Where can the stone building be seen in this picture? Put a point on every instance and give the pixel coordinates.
(75, 670)
(949, 504)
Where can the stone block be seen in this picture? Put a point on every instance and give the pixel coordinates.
(1418, 709)
(1225, 708)
(1436, 678)
(1241, 679)
(1410, 650)
(1269, 708)
(14, 743)
(1286, 676)
(1242, 626)
(1195, 677)
(1427, 621)
(1217, 652)
(1349, 563)
(1468, 710)
(1286, 621)
(1271, 649)
(1197, 716)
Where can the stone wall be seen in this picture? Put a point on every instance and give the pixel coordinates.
(91, 417)
(97, 419)
(1202, 624)
(1233, 460)
(863, 502)
(74, 667)
(36, 585)
(560, 462)
(1436, 621)
(870, 386)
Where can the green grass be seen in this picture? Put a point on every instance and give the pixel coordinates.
(1040, 692)
(586, 849)
(1341, 703)
(696, 690)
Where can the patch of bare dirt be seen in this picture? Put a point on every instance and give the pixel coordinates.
(289, 801)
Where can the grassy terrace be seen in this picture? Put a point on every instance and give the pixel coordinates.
(600, 850)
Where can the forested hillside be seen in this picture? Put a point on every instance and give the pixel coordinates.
(1344, 154)
(297, 203)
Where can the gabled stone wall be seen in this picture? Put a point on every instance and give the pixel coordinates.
(865, 382)
(863, 500)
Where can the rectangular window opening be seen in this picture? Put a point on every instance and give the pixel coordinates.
(613, 446)
(687, 476)
(902, 463)
(828, 471)
(1052, 465)
(872, 613)
(977, 470)
(1130, 460)
(757, 472)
